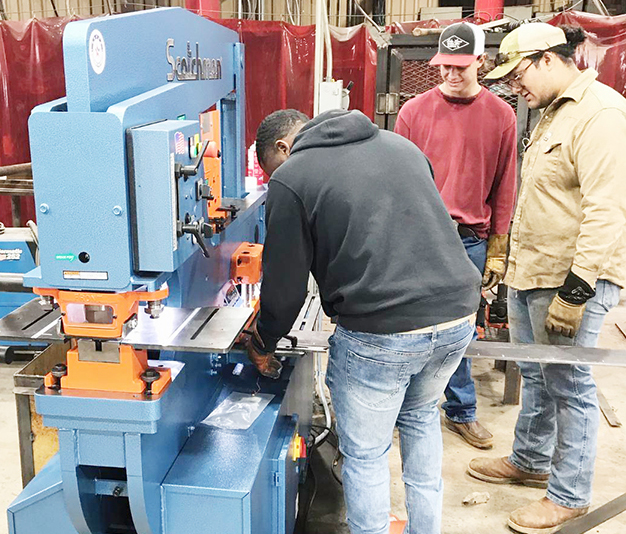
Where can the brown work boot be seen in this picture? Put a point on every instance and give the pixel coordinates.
(543, 517)
(501, 471)
(473, 432)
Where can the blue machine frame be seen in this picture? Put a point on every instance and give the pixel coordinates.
(109, 202)
(120, 76)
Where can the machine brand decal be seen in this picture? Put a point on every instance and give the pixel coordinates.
(454, 43)
(179, 143)
(65, 257)
(192, 68)
(97, 52)
(10, 254)
(85, 275)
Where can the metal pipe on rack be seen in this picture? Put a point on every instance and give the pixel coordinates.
(13, 283)
(20, 168)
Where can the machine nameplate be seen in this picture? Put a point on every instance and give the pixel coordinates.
(189, 68)
(11, 254)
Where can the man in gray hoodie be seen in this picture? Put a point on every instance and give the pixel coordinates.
(358, 208)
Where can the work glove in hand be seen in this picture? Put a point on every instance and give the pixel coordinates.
(264, 360)
(565, 313)
(495, 267)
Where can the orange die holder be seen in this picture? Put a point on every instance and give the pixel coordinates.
(120, 377)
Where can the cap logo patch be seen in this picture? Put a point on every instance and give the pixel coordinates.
(454, 43)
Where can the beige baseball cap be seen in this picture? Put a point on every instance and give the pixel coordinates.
(522, 42)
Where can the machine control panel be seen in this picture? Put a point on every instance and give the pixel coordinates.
(169, 217)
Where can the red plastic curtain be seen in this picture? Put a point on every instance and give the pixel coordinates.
(31, 73)
(279, 67)
(605, 47)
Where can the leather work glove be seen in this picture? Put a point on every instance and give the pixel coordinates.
(495, 267)
(264, 360)
(565, 313)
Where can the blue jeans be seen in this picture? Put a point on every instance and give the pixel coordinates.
(557, 428)
(379, 381)
(460, 405)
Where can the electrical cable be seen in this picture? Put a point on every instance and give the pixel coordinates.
(322, 396)
(381, 29)
(288, 2)
(328, 43)
(327, 432)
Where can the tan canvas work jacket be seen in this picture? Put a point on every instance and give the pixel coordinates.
(571, 210)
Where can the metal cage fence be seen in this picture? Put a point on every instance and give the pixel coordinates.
(418, 76)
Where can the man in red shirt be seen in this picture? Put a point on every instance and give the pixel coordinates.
(469, 136)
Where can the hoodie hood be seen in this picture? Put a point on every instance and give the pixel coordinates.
(333, 128)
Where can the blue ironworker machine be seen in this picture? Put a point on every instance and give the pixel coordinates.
(141, 205)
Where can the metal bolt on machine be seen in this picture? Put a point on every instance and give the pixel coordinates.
(141, 206)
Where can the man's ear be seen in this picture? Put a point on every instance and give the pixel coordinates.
(283, 147)
(549, 59)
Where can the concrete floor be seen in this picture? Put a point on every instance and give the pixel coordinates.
(489, 518)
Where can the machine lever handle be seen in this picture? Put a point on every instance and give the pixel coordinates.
(197, 229)
(192, 170)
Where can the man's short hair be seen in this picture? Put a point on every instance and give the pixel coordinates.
(274, 127)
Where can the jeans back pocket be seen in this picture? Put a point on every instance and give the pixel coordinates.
(374, 383)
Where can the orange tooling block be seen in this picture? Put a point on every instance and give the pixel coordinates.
(122, 377)
(123, 305)
(246, 265)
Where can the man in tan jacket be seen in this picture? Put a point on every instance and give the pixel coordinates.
(567, 264)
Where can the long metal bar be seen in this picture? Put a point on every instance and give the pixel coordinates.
(22, 192)
(516, 352)
(512, 383)
(596, 517)
(607, 410)
(20, 168)
(13, 283)
(25, 434)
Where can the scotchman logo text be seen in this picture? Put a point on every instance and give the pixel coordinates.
(192, 68)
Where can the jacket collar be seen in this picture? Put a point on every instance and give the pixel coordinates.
(577, 88)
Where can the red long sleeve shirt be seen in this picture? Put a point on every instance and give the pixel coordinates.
(472, 146)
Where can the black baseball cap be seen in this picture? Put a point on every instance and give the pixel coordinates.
(459, 45)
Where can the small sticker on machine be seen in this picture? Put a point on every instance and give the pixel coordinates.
(85, 275)
(10, 254)
(179, 143)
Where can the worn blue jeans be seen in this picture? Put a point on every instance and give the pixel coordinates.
(460, 405)
(557, 428)
(377, 382)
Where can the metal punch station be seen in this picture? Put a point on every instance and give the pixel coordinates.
(149, 267)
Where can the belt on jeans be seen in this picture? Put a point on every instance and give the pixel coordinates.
(443, 326)
(466, 231)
